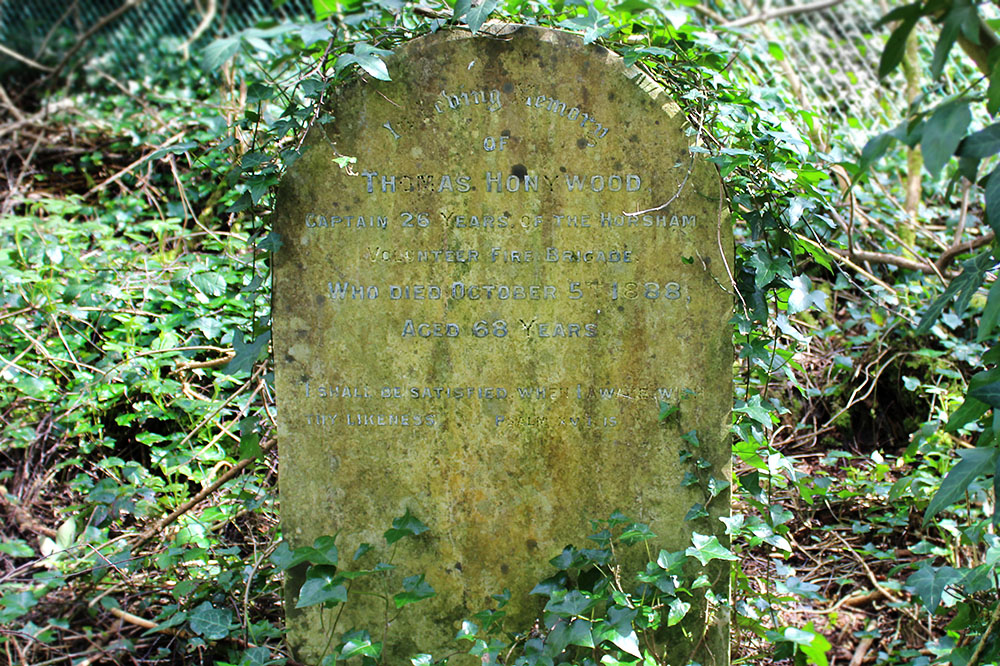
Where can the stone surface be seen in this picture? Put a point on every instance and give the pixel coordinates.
(476, 321)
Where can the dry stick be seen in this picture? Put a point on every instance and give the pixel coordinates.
(169, 142)
(129, 4)
(13, 364)
(851, 401)
(206, 21)
(43, 351)
(25, 59)
(871, 575)
(862, 650)
(23, 517)
(138, 100)
(9, 103)
(152, 352)
(55, 26)
(187, 204)
(846, 260)
(974, 659)
(925, 266)
(784, 11)
(156, 528)
(949, 255)
(23, 171)
(214, 363)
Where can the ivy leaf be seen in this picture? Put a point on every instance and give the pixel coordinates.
(676, 612)
(707, 548)
(943, 133)
(755, 409)
(966, 284)
(324, 551)
(359, 643)
(974, 463)
(209, 283)
(992, 196)
(282, 556)
(961, 15)
(803, 297)
(557, 639)
(476, 16)
(895, 47)
(621, 632)
(990, 394)
(982, 144)
(322, 586)
(667, 410)
(573, 603)
(368, 58)
(580, 633)
(324, 8)
(929, 584)
(405, 525)
(991, 313)
(16, 548)
(873, 151)
(246, 354)
(66, 534)
(810, 642)
(467, 632)
(594, 25)
(218, 52)
(210, 622)
(636, 533)
(993, 90)
(415, 589)
(315, 32)
(256, 656)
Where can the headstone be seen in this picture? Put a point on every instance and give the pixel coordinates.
(477, 319)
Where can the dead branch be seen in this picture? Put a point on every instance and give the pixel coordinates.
(24, 59)
(214, 363)
(961, 248)
(861, 652)
(9, 104)
(772, 14)
(206, 21)
(974, 659)
(94, 29)
(157, 527)
(23, 518)
(169, 142)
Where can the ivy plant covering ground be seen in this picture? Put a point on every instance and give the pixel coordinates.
(137, 444)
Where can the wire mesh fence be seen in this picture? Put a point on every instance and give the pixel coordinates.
(41, 29)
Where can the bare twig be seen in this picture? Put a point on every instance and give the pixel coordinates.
(846, 260)
(974, 659)
(9, 104)
(161, 524)
(780, 12)
(206, 21)
(25, 59)
(949, 255)
(864, 645)
(871, 575)
(94, 29)
(23, 518)
(169, 142)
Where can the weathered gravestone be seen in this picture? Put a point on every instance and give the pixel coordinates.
(478, 319)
